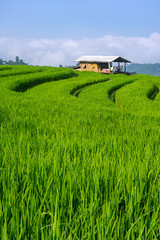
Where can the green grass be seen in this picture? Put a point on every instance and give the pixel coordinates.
(79, 155)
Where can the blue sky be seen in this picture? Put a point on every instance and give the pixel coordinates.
(67, 29)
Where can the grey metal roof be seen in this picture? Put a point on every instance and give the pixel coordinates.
(101, 59)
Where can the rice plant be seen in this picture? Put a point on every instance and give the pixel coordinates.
(79, 155)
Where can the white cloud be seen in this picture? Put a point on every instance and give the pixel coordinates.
(63, 51)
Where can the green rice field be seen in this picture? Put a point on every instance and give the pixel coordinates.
(79, 155)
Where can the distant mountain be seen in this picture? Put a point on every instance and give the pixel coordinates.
(147, 68)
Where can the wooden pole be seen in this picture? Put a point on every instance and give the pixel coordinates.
(118, 66)
(125, 66)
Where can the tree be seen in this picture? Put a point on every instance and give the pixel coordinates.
(1, 61)
(10, 62)
(17, 60)
(21, 62)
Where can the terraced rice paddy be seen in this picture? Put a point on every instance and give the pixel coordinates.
(79, 155)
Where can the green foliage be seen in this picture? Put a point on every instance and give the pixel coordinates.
(78, 166)
(10, 62)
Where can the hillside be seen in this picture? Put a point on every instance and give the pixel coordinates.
(151, 69)
(79, 154)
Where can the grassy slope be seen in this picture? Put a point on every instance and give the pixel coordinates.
(78, 167)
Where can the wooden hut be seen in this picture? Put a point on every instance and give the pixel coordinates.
(103, 64)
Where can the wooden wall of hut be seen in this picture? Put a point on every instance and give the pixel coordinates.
(89, 67)
(96, 67)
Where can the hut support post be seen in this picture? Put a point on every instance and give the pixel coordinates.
(118, 66)
(125, 67)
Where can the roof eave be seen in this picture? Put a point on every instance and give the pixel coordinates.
(112, 59)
